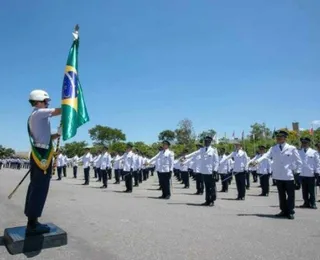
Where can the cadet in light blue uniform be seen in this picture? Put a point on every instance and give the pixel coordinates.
(40, 160)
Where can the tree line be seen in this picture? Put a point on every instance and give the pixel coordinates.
(6, 152)
(183, 138)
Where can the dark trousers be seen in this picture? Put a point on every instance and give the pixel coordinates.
(95, 172)
(75, 171)
(145, 173)
(241, 184)
(136, 178)
(104, 177)
(38, 188)
(128, 180)
(159, 179)
(99, 174)
(254, 176)
(185, 179)
(109, 171)
(210, 184)
(224, 182)
(59, 170)
(264, 180)
(86, 175)
(308, 190)
(286, 194)
(164, 178)
(64, 168)
(247, 180)
(117, 175)
(178, 175)
(199, 182)
(140, 176)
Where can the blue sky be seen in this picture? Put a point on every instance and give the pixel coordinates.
(146, 64)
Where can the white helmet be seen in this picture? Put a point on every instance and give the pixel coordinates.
(38, 95)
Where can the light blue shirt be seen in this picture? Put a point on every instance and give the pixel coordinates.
(40, 125)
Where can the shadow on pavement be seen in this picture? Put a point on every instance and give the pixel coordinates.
(259, 215)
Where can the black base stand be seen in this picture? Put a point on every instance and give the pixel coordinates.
(16, 241)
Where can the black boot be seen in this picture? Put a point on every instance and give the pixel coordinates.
(35, 228)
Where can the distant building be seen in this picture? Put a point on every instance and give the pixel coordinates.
(22, 154)
(295, 127)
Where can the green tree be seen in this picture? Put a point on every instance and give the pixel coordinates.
(104, 135)
(210, 132)
(74, 148)
(185, 132)
(6, 152)
(260, 132)
(167, 135)
(118, 147)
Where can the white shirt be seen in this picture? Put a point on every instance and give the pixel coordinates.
(75, 160)
(116, 163)
(284, 162)
(105, 161)
(224, 166)
(240, 159)
(60, 160)
(39, 124)
(136, 162)
(86, 160)
(144, 161)
(176, 164)
(65, 160)
(128, 161)
(208, 159)
(264, 167)
(165, 160)
(310, 162)
(97, 160)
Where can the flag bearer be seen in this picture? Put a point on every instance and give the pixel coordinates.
(39, 130)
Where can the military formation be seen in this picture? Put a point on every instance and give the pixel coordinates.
(289, 168)
(14, 163)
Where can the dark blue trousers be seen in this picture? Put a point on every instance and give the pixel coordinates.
(38, 189)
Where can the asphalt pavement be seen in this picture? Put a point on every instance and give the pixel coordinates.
(111, 225)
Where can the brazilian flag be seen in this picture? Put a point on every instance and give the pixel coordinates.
(74, 111)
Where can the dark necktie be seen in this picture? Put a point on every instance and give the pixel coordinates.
(305, 150)
(206, 148)
(280, 146)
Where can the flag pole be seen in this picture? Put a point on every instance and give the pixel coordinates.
(76, 31)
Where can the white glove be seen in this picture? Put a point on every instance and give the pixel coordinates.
(59, 130)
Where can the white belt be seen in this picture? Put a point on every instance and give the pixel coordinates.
(44, 146)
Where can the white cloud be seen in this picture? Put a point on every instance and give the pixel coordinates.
(316, 123)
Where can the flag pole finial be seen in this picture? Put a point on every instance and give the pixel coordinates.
(76, 32)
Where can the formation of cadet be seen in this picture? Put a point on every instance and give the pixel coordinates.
(290, 169)
(14, 163)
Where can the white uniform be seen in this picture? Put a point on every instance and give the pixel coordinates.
(60, 160)
(87, 160)
(164, 161)
(310, 162)
(285, 162)
(240, 159)
(224, 166)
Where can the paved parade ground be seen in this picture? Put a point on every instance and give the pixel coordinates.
(108, 224)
